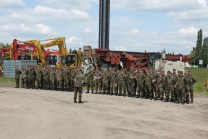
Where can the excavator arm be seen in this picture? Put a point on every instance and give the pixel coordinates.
(57, 41)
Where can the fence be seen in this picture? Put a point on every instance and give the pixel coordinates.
(10, 65)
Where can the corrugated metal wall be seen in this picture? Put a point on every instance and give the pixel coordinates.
(9, 66)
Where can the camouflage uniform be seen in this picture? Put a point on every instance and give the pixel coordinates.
(160, 81)
(131, 82)
(53, 79)
(174, 94)
(113, 83)
(189, 83)
(122, 77)
(106, 81)
(148, 86)
(140, 84)
(26, 77)
(31, 78)
(17, 77)
(98, 81)
(73, 75)
(180, 89)
(59, 79)
(78, 86)
(22, 77)
(90, 81)
(169, 86)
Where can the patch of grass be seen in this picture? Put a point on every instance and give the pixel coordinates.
(201, 75)
(7, 81)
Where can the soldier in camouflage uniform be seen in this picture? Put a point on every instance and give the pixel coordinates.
(160, 82)
(22, 77)
(73, 75)
(180, 88)
(113, 84)
(122, 77)
(90, 80)
(65, 72)
(26, 77)
(174, 94)
(58, 79)
(79, 79)
(140, 84)
(131, 82)
(169, 85)
(189, 83)
(148, 85)
(38, 77)
(17, 76)
(106, 81)
(53, 79)
(31, 78)
(98, 81)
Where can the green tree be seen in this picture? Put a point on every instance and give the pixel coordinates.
(198, 50)
(204, 54)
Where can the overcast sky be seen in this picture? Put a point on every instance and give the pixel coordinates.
(136, 25)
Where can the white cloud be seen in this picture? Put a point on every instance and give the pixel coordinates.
(74, 41)
(7, 4)
(69, 4)
(43, 13)
(135, 31)
(189, 30)
(87, 30)
(202, 2)
(26, 29)
(155, 5)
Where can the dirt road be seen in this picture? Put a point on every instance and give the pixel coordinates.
(38, 114)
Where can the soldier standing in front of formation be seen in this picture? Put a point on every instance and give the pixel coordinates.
(17, 76)
(79, 79)
(189, 83)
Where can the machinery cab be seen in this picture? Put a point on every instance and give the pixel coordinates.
(69, 60)
(51, 60)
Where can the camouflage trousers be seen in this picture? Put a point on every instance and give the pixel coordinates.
(98, 86)
(189, 93)
(168, 92)
(26, 82)
(76, 91)
(140, 89)
(181, 94)
(17, 81)
(148, 91)
(113, 87)
(159, 92)
(66, 84)
(106, 87)
(131, 88)
(90, 85)
(122, 88)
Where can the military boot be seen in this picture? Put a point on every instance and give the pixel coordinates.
(75, 100)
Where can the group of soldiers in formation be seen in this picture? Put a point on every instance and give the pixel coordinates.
(145, 84)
